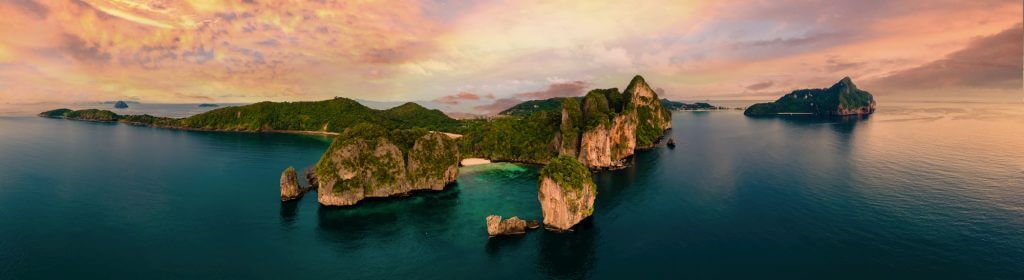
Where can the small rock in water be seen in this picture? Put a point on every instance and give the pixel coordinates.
(290, 185)
(671, 142)
(514, 225)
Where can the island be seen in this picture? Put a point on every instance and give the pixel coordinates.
(601, 129)
(409, 148)
(317, 117)
(841, 99)
(567, 192)
(680, 106)
(208, 105)
(372, 161)
(82, 115)
(120, 105)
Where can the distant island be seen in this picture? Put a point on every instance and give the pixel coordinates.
(125, 101)
(554, 104)
(381, 153)
(208, 105)
(680, 106)
(841, 99)
(120, 105)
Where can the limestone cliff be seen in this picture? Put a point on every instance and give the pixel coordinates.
(652, 118)
(566, 193)
(369, 161)
(496, 226)
(613, 125)
(607, 145)
(290, 185)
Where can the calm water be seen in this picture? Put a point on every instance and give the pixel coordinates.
(917, 190)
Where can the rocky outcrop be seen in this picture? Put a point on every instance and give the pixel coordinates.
(566, 193)
(511, 226)
(841, 99)
(653, 119)
(369, 161)
(290, 185)
(609, 126)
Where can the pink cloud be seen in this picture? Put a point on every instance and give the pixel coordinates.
(987, 62)
(498, 105)
(567, 89)
(458, 97)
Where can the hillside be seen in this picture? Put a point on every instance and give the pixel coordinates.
(527, 108)
(334, 115)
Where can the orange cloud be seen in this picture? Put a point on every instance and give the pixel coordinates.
(459, 97)
(158, 49)
(989, 62)
(246, 51)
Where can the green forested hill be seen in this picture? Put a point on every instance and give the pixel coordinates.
(527, 108)
(412, 115)
(334, 115)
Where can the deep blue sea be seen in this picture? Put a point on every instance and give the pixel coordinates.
(918, 190)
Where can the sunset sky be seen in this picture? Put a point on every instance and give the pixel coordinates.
(479, 55)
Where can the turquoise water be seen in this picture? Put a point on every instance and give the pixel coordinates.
(916, 191)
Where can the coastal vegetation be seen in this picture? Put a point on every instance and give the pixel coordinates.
(529, 107)
(566, 193)
(567, 172)
(369, 160)
(514, 138)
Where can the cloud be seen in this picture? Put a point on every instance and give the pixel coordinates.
(567, 89)
(282, 50)
(458, 97)
(32, 7)
(84, 51)
(760, 86)
(833, 65)
(499, 105)
(992, 62)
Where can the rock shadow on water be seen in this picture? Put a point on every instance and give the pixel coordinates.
(495, 244)
(568, 255)
(419, 212)
(289, 213)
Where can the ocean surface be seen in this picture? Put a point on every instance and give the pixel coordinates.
(918, 190)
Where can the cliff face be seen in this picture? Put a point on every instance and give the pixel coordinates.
(360, 165)
(652, 118)
(566, 193)
(605, 146)
(841, 99)
(289, 185)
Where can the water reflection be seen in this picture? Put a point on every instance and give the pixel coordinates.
(568, 255)
(495, 244)
(289, 212)
(379, 219)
